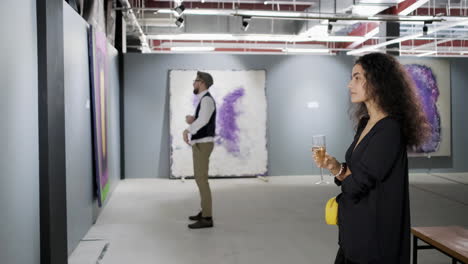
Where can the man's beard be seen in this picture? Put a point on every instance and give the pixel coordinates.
(195, 91)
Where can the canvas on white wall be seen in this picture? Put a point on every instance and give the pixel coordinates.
(240, 142)
(432, 80)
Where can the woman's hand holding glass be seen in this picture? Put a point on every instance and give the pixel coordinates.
(326, 161)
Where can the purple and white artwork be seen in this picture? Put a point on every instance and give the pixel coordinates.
(240, 142)
(97, 42)
(432, 80)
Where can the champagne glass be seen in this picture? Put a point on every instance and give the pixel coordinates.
(319, 147)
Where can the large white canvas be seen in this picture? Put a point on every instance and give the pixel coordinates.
(240, 100)
(441, 71)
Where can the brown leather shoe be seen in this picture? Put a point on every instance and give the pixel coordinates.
(195, 217)
(202, 223)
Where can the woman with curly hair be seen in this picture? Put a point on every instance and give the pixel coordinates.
(374, 212)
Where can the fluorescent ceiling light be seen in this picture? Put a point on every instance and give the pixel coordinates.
(294, 50)
(239, 45)
(287, 3)
(193, 37)
(380, 2)
(402, 19)
(441, 55)
(408, 24)
(256, 37)
(192, 49)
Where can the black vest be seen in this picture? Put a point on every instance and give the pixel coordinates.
(209, 129)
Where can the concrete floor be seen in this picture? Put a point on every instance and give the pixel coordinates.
(278, 222)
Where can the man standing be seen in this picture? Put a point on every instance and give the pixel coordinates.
(202, 130)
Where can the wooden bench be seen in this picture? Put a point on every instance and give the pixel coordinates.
(450, 240)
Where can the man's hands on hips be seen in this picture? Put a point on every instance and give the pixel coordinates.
(189, 119)
(186, 136)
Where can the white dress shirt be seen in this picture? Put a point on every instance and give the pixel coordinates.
(207, 107)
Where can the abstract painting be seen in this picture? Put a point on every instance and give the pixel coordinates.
(240, 141)
(432, 80)
(99, 88)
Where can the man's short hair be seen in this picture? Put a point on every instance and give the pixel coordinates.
(206, 78)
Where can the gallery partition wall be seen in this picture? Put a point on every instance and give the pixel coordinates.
(52, 172)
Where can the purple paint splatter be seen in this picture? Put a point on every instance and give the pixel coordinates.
(228, 130)
(428, 91)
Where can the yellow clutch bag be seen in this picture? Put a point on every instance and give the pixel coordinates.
(331, 212)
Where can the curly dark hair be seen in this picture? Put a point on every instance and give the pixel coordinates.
(388, 83)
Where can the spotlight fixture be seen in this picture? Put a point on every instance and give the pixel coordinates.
(330, 26)
(179, 22)
(425, 29)
(245, 22)
(179, 10)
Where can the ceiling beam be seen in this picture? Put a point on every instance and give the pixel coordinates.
(406, 7)
(259, 5)
(409, 37)
(262, 14)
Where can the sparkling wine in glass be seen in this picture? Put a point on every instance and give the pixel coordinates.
(319, 147)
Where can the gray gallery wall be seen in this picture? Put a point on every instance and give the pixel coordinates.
(82, 208)
(292, 82)
(19, 153)
(19, 166)
(77, 128)
(459, 78)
